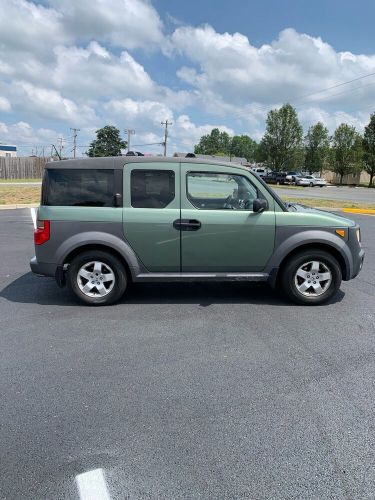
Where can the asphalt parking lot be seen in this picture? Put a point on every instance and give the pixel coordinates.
(184, 391)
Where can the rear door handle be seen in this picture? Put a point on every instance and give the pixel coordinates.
(187, 224)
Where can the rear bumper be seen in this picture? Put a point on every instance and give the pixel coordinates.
(42, 268)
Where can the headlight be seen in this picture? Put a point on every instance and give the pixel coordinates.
(358, 233)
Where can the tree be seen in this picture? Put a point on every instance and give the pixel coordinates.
(369, 148)
(346, 150)
(214, 143)
(316, 148)
(281, 145)
(107, 143)
(243, 147)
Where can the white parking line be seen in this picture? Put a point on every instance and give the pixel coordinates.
(33, 216)
(92, 485)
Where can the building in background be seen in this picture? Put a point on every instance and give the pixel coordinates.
(8, 151)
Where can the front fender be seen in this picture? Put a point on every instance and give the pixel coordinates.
(291, 238)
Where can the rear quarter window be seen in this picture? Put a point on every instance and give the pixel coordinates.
(78, 188)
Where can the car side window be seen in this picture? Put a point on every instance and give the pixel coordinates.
(215, 191)
(78, 187)
(152, 188)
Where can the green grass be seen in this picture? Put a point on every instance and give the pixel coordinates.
(320, 203)
(6, 181)
(14, 195)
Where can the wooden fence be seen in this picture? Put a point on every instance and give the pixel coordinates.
(22, 168)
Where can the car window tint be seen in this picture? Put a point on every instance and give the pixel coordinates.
(213, 191)
(79, 188)
(152, 188)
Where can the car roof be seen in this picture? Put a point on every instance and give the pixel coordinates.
(118, 162)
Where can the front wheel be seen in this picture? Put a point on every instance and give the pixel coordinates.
(311, 184)
(311, 277)
(97, 278)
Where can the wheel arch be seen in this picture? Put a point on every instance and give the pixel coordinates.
(326, 247)
(104, 242)
(317, 240)
(98, 246)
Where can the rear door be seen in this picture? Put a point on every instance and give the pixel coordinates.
(221, 232)
(151, 205)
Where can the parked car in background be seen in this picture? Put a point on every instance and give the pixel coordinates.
(316, 181)
(291, 176)
(301, 180)
(275, 178)
(260, 171)
(134, 153)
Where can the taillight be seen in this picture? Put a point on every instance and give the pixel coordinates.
(42, 232)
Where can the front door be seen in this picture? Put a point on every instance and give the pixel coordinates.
(151, 205)
(222, 233)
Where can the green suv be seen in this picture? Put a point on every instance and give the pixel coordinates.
(104, 222)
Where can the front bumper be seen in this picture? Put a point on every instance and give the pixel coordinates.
(358, 263)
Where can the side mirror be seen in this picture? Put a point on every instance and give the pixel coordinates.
(260, 205)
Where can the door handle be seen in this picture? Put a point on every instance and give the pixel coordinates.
(187, 224)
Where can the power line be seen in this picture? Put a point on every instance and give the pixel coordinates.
(336, 85)
(345, 91)
(297, 100)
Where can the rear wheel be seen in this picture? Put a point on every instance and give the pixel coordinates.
(97, 277)
(311, 277)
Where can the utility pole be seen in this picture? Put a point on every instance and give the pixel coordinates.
(75, 130)
(166, 123)
(60, 141)
(130, 132)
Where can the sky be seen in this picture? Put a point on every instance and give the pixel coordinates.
(136, 63)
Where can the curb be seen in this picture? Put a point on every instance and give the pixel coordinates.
(365, 211)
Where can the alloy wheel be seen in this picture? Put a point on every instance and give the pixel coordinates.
(96, 279)
(313, 278)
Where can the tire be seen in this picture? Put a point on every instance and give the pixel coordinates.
(295, 286)
(111, 278)
(311, 184)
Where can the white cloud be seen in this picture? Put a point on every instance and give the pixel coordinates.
(232, 69)
(4, 104)
(149, 111)
(311, 115)
(94, 72)
(124, 23)
(50, 104)
(29, 28)
(186, 134)
(32, 28)
(148, 115)
(24, 134)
